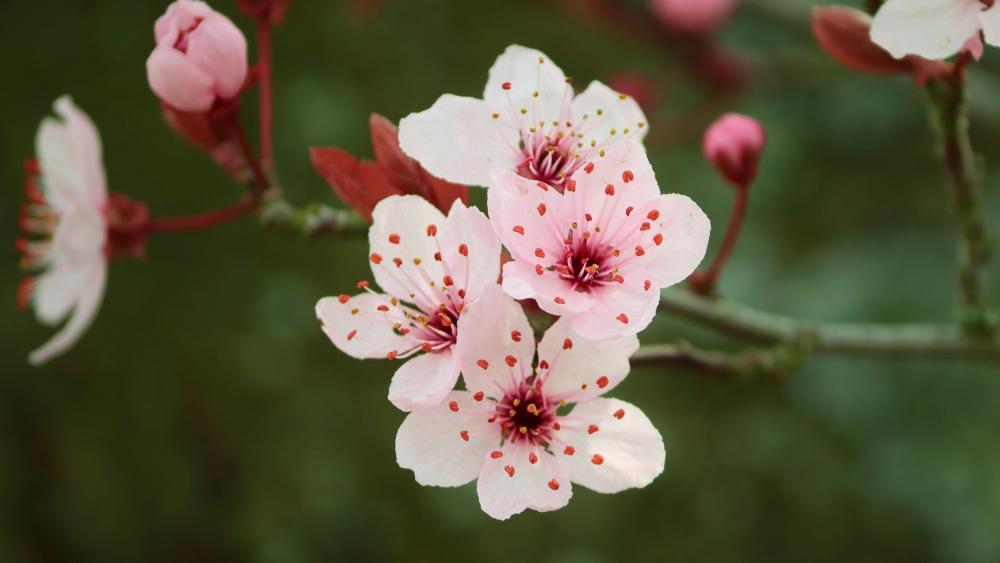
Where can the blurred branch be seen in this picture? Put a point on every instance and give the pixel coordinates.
(817, 337)
(311, 220)
(774, 363)
(947, 99)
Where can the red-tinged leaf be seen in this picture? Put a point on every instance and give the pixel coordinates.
(361, 185)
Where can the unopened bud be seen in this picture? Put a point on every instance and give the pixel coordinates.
(733, 145)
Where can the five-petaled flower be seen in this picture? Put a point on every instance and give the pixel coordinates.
(599, 252)
(430, 267)
(935, 29)
(510, 428)
(66, 225)
(528, 121)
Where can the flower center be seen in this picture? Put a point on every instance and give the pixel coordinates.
(526, 414)
(550, 156)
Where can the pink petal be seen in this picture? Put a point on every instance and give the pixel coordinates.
(625, 159)
(933, 29)
(553, 294)
(458, 140)
(471, 249)
(358, 328)
(493, 333)
(526, 216)
(543, 486)
(424, 381)
(621, 308)
(177, 80)
(89, 301)
(527, 72)
(685, 230)
(581, 369)
(218, 47)
(625, 452)
(432, 442)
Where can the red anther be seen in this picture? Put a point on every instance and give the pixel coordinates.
(496, 454)
(491, 419)
(343, 298)
(619, 414)
(461, 295)
(426, 347)
(539, 270)
(515, 335)
(31, 167)
(571, 186)
(658, 239)
(376, 258)
(453, 406)
(609, 189)
(24, 290)
(392, 355)
(554, 485)
(398, 262)
(592, 428)
(539, 253)
(21, 245)
(404, 331)
(569, 450)
(597, 459)
(483, 364)
(448, 281)
(541, 209)
(518, 229)
(511, 360)
(647, 284)
(383, 308)
(653, 215)
(628, 210)
(543, 365)
(623, 318)
(556, 426)
(543, 185)
(639, 251)
(567, 344)
(589, 167)
(394, 238)
(437, 256)
(602, 381)
(464, 434)
(618, 278)
(352, 334)
(588, 217)
(646, 226)
(509, 469)
(628, 176)
(505, 85)
(463, 249)
(532, 458)
(362, 284)
(432, 230)
(559, 300)
(479, 395)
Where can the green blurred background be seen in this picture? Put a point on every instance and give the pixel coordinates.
(205, 417)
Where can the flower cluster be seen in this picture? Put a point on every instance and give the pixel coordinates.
(573, 199)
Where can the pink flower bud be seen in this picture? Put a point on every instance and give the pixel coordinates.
(200, 57)
(693, 17)
(733, 145)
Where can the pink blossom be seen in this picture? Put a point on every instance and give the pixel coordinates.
(733, 144)
(507, 428)
(528, 121)
(66, 223)
(599, 252)
(935, 29)
(693, 17)
(429, 267)
(200, 57)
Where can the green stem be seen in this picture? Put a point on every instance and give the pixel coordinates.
(774, 363)
(311, 220)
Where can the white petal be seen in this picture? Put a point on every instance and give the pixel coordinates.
(493, 332)
(69, 153)
(405, 219)
(990, 21)
(432, 444)
(629, 449)
(580, 369)
(620, 308)
(536, 84)
(685, 229)
(424, 381)
(458, 140)
(602, 116)
(58, 290)
(359, 329)
(479, 265)
(81, 319)
(543, 486)
(933, 29)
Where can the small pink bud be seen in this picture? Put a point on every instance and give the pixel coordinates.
(200, 57)
(733, 145)
(693, 17)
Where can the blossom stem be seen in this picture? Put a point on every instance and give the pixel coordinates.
(264, 64)
(261, 182)
(203, 220)
(949, 114)
(312, 220)
(704, 284)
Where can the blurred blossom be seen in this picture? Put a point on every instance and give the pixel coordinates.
(430, 267)
(733, 145)
(639, 86)
(844, 33)
(599, 252)
(200, 57)
(65, 218)
(693, 17)
(935, 29)
(271, 11)
(528, 121)
(724, 69)
(362, 184)
(506, 430)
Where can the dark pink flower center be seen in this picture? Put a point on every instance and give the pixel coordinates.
(550, 157)
(526, 415)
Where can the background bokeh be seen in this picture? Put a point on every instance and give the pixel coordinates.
(205, 417)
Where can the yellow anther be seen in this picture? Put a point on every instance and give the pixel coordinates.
(517, 402)
(523, 430)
